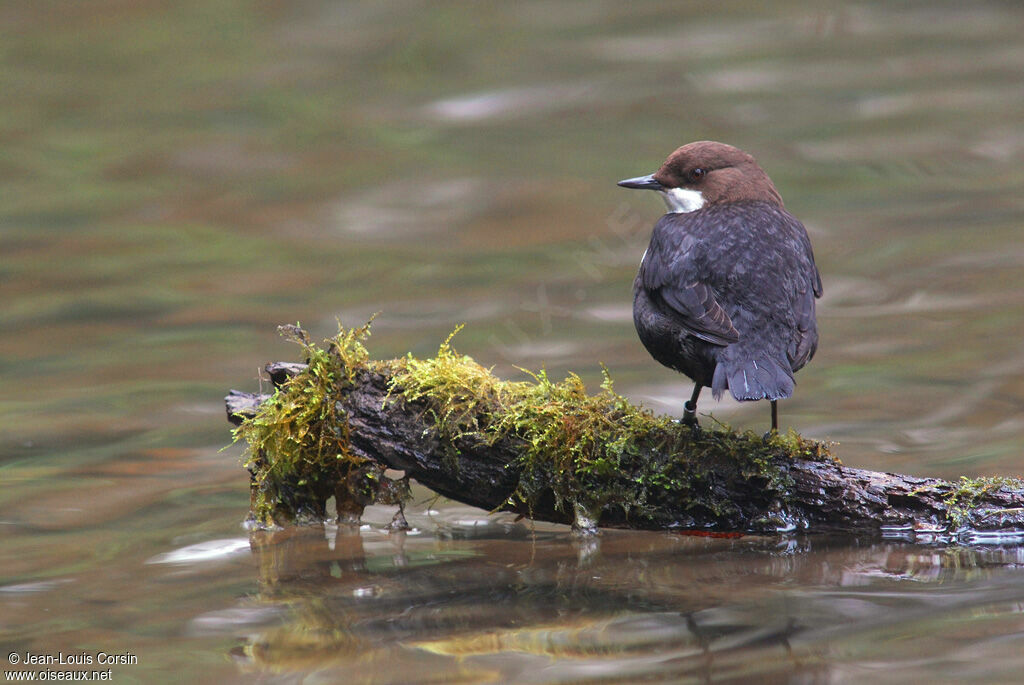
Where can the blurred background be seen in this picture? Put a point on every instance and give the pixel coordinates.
(177, 179)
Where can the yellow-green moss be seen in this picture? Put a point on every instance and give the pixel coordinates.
(963, 499)
(578, 447)
(568, 436)
(593, 453)
(298, 443)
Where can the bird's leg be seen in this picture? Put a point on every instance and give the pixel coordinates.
(775, 421)
(690, 408)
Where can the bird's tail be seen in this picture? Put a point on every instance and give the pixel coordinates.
(761, 378)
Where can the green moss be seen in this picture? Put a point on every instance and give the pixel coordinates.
(594, 455)
(571, 440)
(963, 498)
(298, 442)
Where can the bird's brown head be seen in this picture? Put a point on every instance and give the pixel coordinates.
(708, 173)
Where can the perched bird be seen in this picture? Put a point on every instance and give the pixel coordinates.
(725, 292)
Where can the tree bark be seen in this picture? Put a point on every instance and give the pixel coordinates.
(814, 495)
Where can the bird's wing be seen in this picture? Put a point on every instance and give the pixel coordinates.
(814, 275)
(808, 288)
(669, 273)
(805, 343)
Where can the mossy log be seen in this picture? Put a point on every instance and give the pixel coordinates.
(550, 451)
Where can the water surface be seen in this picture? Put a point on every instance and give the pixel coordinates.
(180, 178)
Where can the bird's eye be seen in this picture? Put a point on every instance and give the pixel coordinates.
(697, 174)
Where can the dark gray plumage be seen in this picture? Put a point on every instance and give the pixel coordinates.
(726, 290)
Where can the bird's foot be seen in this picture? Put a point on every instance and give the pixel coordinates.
(691, 423)
(690, 411)
(695, 429)
(690, 418)
(768, 435)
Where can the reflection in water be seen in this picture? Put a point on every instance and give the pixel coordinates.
(211, 550)
(502, 603)
(511, 103)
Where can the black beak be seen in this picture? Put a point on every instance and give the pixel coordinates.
(642, 183)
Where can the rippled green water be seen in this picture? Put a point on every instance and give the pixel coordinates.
(176, 179)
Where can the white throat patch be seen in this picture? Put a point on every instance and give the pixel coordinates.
(682, 200)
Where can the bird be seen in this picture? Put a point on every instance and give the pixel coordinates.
(726, 290)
